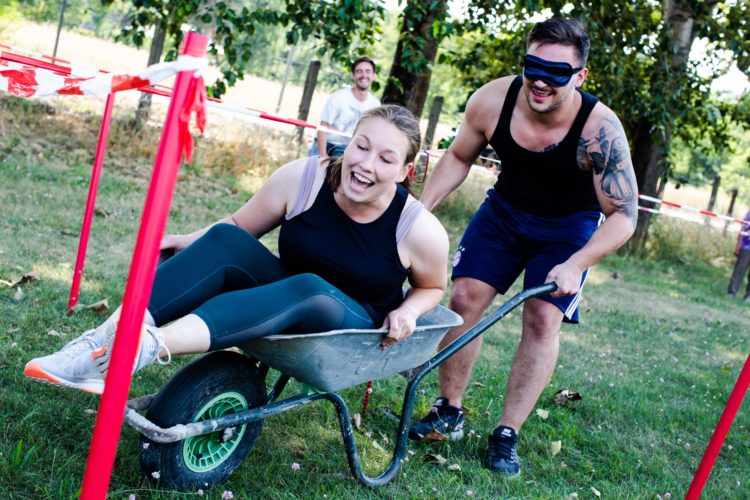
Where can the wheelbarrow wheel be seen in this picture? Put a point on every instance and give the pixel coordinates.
(220, 383)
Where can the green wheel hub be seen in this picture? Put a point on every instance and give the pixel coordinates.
(206, 452)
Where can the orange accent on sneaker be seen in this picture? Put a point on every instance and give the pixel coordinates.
(33, 370)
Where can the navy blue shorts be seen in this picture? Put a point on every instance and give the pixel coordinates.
(501, 241)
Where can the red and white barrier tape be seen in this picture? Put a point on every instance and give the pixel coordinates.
(688, 219)
(25, 81)
(727, 218)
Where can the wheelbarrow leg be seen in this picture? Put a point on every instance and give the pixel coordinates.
(350, 447)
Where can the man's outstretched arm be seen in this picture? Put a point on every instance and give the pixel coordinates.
(608, 154)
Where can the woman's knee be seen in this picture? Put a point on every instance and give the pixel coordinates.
(224, 234)
(309, 284)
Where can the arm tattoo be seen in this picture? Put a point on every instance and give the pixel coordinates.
(608, 154)
(549, 148)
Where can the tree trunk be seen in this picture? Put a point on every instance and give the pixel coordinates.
(649, 149)
(154, 56)
(647, 162)
(409, 80)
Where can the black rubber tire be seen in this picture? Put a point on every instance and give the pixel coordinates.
(179, 402)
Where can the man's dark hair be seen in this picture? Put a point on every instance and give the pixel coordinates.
(564, 32)
(361, 60)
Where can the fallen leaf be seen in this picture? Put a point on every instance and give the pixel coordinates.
(543, 414)
(54, 333)
(478, 384)
(31, 276)
(438, 459)
(18, 296)
(454, 468)
(555, 447)
(564, 396)
(89, 411)
(98, 307)
(102, 212)
(596, 492)
(434, 436)
(357, 421)
(573, 495)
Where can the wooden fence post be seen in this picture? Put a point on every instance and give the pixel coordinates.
(714, 193)
(733, 192)
(307, 95)
(289, 61)
(432, 121)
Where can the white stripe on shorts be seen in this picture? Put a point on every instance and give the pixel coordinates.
(572, 307)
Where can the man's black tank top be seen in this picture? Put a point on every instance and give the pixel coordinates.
(549, 183)
(361, 260)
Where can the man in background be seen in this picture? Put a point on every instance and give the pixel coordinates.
(344, 108)
(742, 252)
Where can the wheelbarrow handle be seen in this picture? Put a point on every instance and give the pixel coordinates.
(484, 324)
(411, 390)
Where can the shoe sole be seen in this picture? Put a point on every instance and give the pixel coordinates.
(503, 473)
(35, 372)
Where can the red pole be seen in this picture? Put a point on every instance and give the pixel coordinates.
(88, 215)
(722, 428)
(138, 288)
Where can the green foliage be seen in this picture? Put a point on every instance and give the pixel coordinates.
(344, 27)
(93, 16)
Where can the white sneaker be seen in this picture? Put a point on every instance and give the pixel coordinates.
(151, 344)
(71, 366)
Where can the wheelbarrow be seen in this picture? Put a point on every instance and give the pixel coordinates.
(201, 425)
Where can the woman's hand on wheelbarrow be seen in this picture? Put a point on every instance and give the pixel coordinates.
(400, 323)
(567, 276)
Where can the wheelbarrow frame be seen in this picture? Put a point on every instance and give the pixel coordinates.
(274, 406)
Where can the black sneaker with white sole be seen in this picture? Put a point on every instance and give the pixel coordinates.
(502, 453)
(444, 419)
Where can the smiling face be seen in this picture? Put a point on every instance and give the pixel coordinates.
(374, 162)
(543, 98)
(363, 75)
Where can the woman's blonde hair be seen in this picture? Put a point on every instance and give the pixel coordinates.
(399, 116)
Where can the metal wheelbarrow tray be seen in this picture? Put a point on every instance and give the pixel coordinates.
(195, 444)
(339, 359)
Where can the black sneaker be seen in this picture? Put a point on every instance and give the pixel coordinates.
(446, 420)
(502, 455)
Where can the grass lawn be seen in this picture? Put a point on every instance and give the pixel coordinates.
(656, 354)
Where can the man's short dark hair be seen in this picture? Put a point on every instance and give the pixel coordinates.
(361, 60)
(564, 32)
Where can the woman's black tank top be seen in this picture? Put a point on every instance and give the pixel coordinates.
(549, 183)
(361, 260)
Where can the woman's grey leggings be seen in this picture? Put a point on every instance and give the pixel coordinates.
(241, 290)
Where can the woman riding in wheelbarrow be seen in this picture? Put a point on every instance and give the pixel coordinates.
(350, 235)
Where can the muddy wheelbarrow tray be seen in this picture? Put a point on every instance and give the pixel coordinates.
(197, 445)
